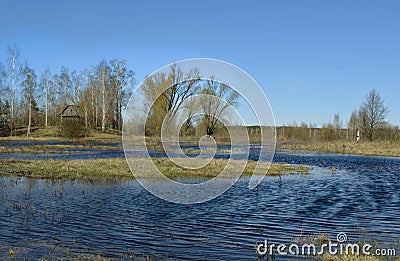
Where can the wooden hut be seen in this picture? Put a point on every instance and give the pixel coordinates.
(71, 122)
(70, 111)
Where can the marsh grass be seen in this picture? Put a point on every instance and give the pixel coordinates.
(216, 166)
(118, 168)
(208, 150)
(316, 238)
(376, 148)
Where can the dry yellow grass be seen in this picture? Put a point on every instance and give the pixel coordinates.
(49, 149)
(51, 133)
(376, 148)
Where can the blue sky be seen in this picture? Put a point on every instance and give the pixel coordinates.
(312, 58)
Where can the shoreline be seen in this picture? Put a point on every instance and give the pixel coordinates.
(376, 148)
(107, 140)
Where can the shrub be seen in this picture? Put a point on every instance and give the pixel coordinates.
(72, 128)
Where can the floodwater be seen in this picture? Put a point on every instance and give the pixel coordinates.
(45, 218)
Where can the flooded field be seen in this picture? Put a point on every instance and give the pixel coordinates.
(119, 219)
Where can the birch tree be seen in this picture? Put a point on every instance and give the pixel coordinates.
(13, 70)
(77, 83)
(55, 98)
(103, 79)
(64, 83)
(3, 105)
(122, 78)
(85, 104)
(29, 84)
(45, 85)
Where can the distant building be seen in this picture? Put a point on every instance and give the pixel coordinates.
(70, 111)
(71, 122)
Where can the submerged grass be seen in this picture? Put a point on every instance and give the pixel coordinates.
(118, 168)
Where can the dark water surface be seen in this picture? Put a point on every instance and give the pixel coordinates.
(111, 218)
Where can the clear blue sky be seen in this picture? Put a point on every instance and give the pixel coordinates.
(312, 58)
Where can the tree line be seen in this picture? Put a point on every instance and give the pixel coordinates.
(101, 92)
(368, 123)
(30, 98)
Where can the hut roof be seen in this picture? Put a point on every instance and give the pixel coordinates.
(70, 111)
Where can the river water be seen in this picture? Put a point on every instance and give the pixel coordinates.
(40, 218)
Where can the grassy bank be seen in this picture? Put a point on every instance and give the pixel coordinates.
(51, 133)
(51, 149)
(118, 168)
(377, 148)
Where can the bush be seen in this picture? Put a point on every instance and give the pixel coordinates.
(72, 128)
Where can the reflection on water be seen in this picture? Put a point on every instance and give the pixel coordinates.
(109, 218)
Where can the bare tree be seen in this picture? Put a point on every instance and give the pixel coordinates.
(180, 87)
(13, 69)
(29, 84)
(93, 98)
(352, 126)
(77, 83)
(45, 85)
(3, 105)
(3, 76)
(85, 104)
(103, 70)
(336, 122)
(173, 89)
(55, 98)
(337, 125)
(64, 83)
(157, 105)
(191, 107)
(122, 77)
(374, 113)
(219, 97)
